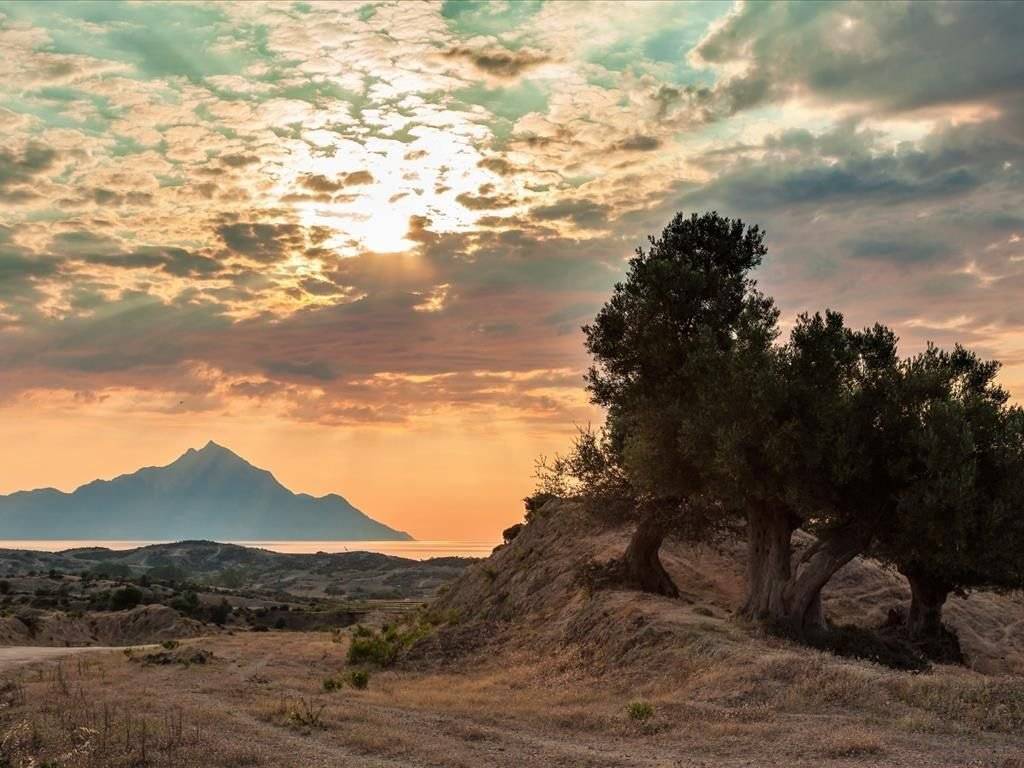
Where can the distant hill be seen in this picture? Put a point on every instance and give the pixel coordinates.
(210, 493)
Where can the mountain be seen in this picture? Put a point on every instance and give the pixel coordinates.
(211, 493)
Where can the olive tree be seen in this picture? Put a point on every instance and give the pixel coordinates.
(959, 523)
(687, 312)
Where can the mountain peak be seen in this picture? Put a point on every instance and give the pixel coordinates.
(215, 448)
(210, 492)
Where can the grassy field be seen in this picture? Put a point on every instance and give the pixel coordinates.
(258, 699)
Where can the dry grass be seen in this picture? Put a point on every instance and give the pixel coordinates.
(260, 702)
(534, 671)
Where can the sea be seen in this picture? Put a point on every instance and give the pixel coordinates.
(414, 550)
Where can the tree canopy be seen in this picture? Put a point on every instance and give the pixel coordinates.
(711, 421)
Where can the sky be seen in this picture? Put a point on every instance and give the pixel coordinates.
(355, 242)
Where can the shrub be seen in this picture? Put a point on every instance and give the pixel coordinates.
(187, 603)
(382, 648)
(510, 533)
(359, 679)
(534, 503)
(372, 650)
(859, 643)
(219, 613)
(125, 598)
(332, 684)
(5, 587)
(640, 711)
(169, 645)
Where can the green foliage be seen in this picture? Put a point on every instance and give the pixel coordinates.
(113, 571)
(640, 711)
(383, 648)
(219, 612)
(232, 578)
(125, 598)
(331, 684)
(187, 603)
(960, 522)
(686, 318)
(356, 678)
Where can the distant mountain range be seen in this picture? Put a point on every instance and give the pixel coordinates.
(210, 493)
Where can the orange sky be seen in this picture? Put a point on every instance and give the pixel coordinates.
(450, 480)
(355, 242)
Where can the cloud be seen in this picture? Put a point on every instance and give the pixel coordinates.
(906, 250)
(583, 213)
(500, 62)
(19, 170)
(638, 143)
(260, 241)
(892, 56)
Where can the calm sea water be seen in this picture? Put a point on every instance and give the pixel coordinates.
(415, 550)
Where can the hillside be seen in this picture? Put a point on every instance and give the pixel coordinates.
(341, 574)
(534, 592)
(521, 663)
(208, 493)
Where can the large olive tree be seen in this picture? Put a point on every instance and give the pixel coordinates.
(687, 312)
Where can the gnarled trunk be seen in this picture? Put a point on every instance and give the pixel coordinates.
(769, 556)
(818, 564)
(642, 565)
(780, 593)
(927, 596)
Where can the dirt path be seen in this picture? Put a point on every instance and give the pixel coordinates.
(19, 655)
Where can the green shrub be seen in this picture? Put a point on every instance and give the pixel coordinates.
(640, 711)
(125, 598)
(169, 645)
(383, 648)
(372, 650)
(219, 612)
(332, 684)
(187, 603)
(359, 679)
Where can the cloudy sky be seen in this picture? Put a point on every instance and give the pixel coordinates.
(355, 241)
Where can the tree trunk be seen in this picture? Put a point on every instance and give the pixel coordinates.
(642, 564)
(816, 566)
(769, 555)
(927, 596)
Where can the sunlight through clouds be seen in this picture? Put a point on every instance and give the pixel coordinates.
(382, 213)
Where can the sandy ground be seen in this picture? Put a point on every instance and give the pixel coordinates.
(15, 656)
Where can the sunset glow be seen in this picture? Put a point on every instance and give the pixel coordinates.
(355, 242)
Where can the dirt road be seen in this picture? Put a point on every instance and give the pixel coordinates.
(17, 655)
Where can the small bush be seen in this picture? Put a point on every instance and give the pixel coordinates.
(125, 598)
(331, 684)
(219, 613)
(359, 679)
(640, 711)
(383, 648)
(535, 503)
(169, 645)
(859, 643)
(372, 650)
